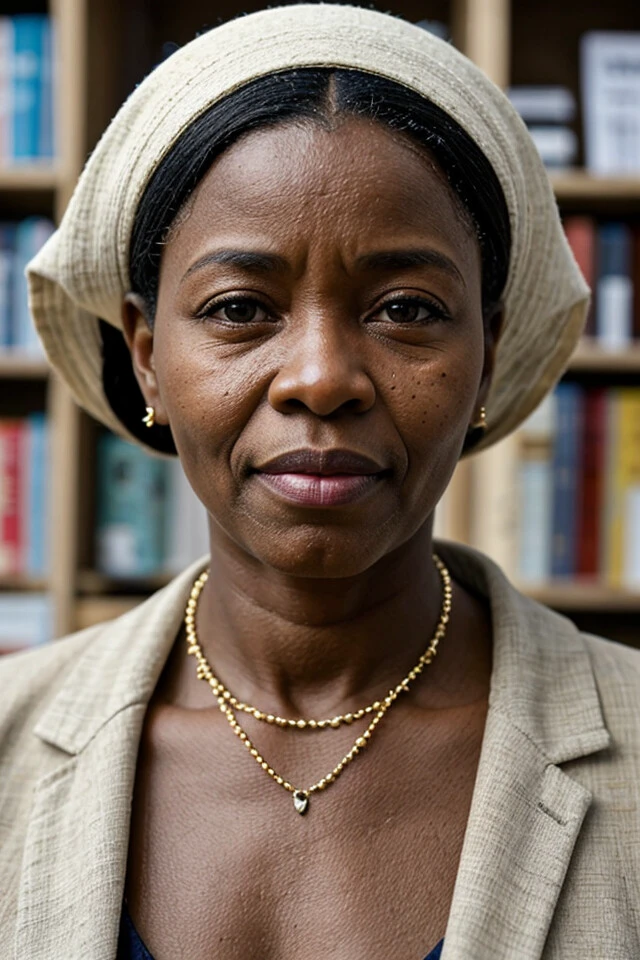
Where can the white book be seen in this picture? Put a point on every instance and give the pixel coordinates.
(541, 103)
(6, 91)
(536, 499)
(614, 312)
(610, 81)
(187, 533)
(25, 620)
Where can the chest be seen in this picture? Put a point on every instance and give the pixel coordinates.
(221, 865)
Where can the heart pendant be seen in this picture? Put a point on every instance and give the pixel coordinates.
(301, 801)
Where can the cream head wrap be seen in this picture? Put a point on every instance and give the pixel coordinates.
(82, 273)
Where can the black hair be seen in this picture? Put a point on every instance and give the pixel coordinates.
(320, 95)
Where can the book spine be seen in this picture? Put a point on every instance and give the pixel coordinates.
(46, 125)
(581, 234)
(566, 481)
(631, 488)
(11, 532)
(635, 277)
(131, 510)
(36, 461)
(614, 287)
(624, 464)
(593, 466)
(536, 485)
(27, 85)
(31, 234)
(6, 90)
(7, 257)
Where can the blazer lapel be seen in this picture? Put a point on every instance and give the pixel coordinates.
(526, 811)
(75, 857)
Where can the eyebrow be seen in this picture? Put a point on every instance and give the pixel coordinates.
(254, 260)
(403, 259)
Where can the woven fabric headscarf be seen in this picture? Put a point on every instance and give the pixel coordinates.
(81, 275)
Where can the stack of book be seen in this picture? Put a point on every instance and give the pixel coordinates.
(549, 113)
(579, 485)
(26, 90)
(149, 521)
(19, 242)
(608, 254)
(26, 619)
(24, 468)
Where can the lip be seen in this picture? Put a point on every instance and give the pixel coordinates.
(321, 478)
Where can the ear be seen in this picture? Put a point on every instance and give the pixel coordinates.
(138, 334)
(492, 329)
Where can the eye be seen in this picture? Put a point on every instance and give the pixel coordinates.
(410, 310)
(236, 310)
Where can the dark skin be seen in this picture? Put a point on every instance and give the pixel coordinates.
(312, 611)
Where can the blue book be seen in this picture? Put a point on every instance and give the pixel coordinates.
(614, 286)
(46, 132)
(566, 480)
(131, 521)
(37, 486)
(28, 58)
(30, 235)
(7, 242)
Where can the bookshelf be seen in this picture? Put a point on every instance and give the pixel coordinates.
(104, 49)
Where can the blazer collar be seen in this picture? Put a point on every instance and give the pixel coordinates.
(120, 667)
(526, 812)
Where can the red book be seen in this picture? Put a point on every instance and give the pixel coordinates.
(12, 435)
(581, 234)
(593, 469)
(635, 276)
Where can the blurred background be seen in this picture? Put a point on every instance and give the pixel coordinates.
(89, 525)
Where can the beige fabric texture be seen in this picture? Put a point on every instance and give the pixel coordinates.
(82, 272)
(550, 867)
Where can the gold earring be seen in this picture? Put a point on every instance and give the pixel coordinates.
(482, 422)
(150, 418)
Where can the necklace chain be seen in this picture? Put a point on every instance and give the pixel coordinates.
(228, 703)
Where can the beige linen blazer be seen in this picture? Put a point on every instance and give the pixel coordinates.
(550, 866)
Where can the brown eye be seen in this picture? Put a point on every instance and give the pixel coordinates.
(410, 311)
(240, 311)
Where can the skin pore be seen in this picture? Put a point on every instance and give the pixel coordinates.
(322, 292)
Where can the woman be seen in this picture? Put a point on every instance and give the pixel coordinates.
(317, 256)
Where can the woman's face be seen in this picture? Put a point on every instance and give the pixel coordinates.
(318, 346)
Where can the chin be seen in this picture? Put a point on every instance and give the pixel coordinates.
(312, 553)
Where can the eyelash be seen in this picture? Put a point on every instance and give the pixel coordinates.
(436, 310)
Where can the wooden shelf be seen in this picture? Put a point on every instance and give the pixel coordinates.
(29, 177)
(20, 366)
(92, 610)
(580, 185)
(18, 584)
(584, 595)
(591, 358)
(92, 582)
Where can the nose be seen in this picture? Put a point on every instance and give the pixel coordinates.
(322, 372)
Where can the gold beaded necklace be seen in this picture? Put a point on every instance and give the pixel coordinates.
(228, 703)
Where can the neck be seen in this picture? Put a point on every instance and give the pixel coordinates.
(311, 647)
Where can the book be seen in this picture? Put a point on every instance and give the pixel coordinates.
(26, 619)
(624, 487)
(30, 235)
(7, 255)
(557, 146)
(614, 307)
(11, 483)
(635, 276)
(594, 438)
(543, 104)
(34, 503)
(581, 234)
(131, 504)
(6, 90)
(187, 530)
(566, 480)
(536, 490)
(610, 84)
(29, 52)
